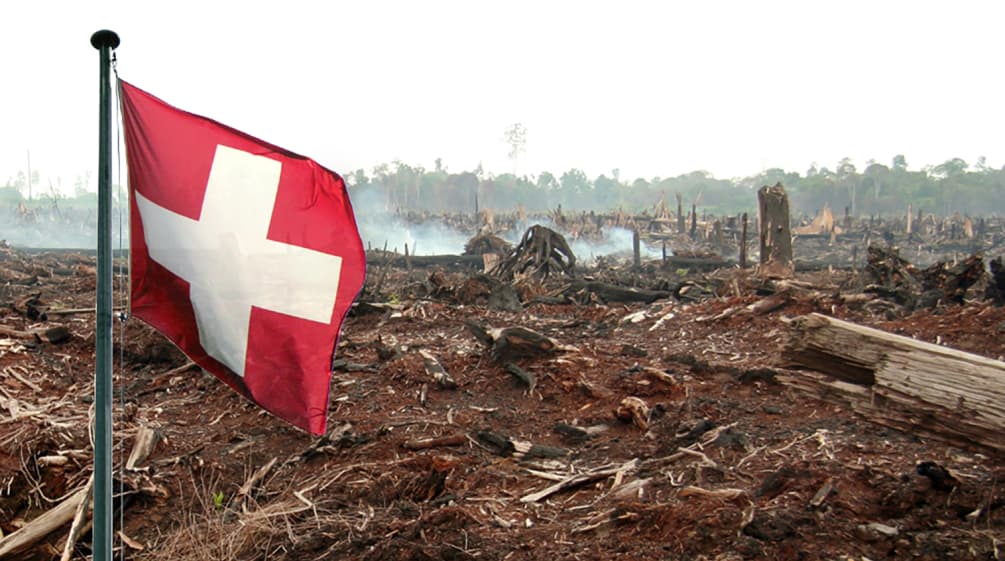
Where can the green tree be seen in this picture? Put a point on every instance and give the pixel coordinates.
(546, 181)
(899, 163)
(950, 168)
(607, 192)
(847, 176)
(875, 176)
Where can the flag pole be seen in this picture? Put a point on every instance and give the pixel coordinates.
(105, 41)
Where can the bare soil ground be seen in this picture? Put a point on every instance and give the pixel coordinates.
(726, 463)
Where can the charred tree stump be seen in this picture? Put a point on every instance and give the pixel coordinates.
(776, 237)
(540, 253)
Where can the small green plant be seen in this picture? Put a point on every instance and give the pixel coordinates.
(394, 299)
(218, 500)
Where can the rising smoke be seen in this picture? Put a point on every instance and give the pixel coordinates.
(50, 226)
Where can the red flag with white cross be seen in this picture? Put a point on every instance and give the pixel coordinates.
(245, 255)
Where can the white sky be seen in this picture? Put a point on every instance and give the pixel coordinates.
(653, 88)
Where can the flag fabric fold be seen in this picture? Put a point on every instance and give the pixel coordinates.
(245, 255)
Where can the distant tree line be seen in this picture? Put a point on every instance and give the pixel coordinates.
(953, 186)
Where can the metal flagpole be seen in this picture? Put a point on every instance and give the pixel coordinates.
(105, 41)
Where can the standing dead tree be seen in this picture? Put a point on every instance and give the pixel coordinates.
(540, 253)
(776, 238)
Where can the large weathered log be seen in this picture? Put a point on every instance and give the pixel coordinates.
(901, 382)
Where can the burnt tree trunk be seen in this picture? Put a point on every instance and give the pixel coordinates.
(694, 220)
(776, 237)
(743, 243)
(681, 227)
(636, 253)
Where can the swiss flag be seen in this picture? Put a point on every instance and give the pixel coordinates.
(245, 255)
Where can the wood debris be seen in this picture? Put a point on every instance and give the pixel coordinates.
(512, 343)
(574, 481)
(436, 371)
(899, 381)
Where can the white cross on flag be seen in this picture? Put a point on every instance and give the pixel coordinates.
(246, 256)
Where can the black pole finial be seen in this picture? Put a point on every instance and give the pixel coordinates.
(105, 38)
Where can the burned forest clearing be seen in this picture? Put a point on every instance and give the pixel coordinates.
(693, 395)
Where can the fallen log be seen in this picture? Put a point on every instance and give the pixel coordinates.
(40, 527)
(519, 449)
(56, 334)
(426, 261)
(703, 264)
(900, 382)
(614, 293)
(427, 443)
